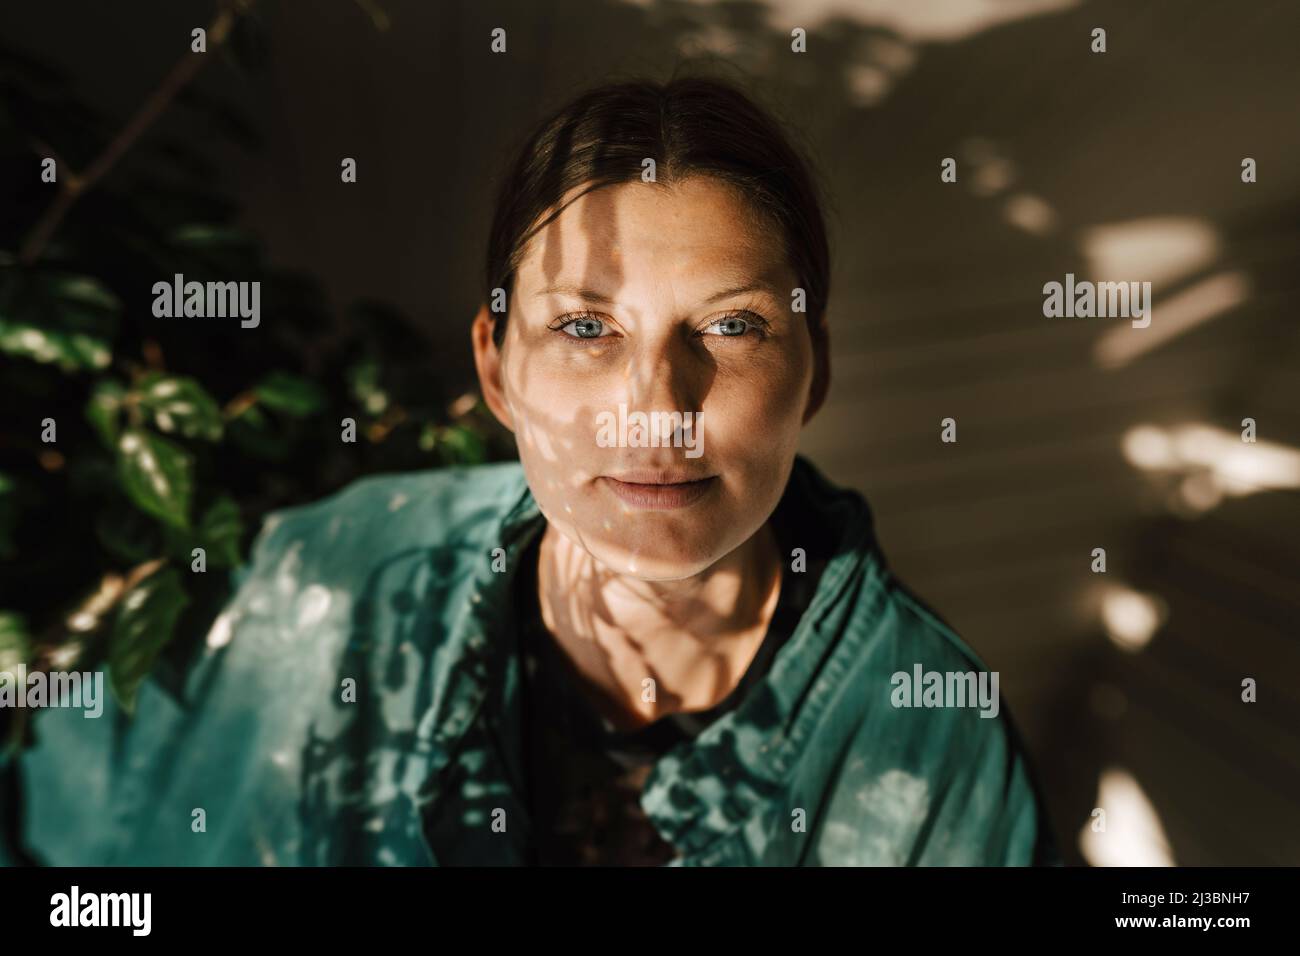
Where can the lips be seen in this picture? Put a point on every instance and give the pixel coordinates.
(659, 490)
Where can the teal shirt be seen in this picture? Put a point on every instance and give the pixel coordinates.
(357, 702)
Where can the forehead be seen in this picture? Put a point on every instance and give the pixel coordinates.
(698, 231)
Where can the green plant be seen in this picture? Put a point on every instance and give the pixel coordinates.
(168, 437)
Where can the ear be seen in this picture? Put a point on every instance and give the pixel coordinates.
(487, 361)
(821, 381)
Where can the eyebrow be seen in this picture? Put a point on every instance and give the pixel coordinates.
(591, 295)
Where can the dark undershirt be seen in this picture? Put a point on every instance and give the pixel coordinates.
(585, 776)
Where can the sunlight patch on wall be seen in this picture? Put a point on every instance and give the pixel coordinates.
(1164, 251)
(923, 22)
(1173, 317)
(1130, 832)
(1161, 250)
(1131, 618)
(1206, 464)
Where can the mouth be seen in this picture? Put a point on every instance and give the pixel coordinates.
(658, 490)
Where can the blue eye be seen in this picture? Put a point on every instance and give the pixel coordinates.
(730, 326)
(585, 327)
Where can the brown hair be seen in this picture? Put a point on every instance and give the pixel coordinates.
(687, 126)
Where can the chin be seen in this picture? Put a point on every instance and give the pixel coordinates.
(666, 547)
(657, 561)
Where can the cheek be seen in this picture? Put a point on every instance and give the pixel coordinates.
(551, 408)
(761, 396)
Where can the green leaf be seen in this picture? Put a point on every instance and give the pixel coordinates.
(213, 250)
(126, 534)
(57, 319)
(156, 475)
(428, 437)
(290, 394)
(218, 533)
(83, 297)
(145, 623)
(461, 445)
(177, 403)
(103, 408)
(70, 351)
(15, 643)
(208, 235)
(253, 432)
(221, 528)
(363, 378)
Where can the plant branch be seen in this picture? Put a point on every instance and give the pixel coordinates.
(73, 185)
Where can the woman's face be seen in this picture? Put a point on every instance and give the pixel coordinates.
(643, 298)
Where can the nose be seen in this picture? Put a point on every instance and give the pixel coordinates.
(666, 371)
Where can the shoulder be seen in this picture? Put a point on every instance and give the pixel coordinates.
(937, 772)
(443, 507)
(360, 566)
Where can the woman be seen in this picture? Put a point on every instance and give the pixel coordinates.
(661, 638)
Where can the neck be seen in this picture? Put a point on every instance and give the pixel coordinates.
(643, 649)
